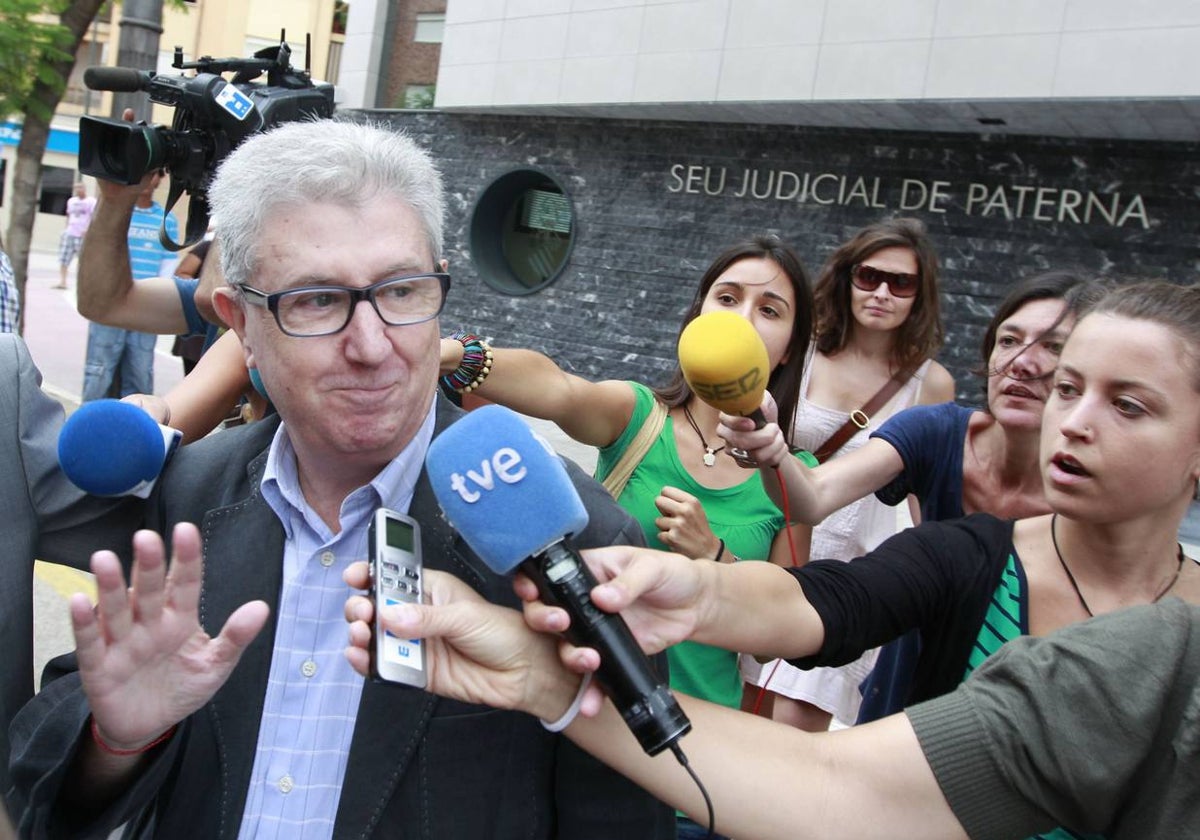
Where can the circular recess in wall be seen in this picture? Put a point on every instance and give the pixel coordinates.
(522, 229)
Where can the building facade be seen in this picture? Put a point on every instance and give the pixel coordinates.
(651, 203)
(598, 153)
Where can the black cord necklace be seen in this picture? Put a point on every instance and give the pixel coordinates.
(710, 454)
(1083, 601)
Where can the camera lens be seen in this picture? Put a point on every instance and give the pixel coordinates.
(118, 151)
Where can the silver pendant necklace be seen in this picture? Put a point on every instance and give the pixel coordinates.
(710, 454)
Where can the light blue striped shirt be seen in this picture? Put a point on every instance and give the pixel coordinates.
(147, 256)
(312, 692)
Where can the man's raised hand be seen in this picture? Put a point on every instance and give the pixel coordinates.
(145, 661)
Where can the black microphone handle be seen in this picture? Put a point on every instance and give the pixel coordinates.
(741, 455)
(645, 702)
(121, 79)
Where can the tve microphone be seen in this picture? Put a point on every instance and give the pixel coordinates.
(725, 363)
(114, 448)
(509, 496)
(116, 79)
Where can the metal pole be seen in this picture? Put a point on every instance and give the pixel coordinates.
(93, 60)
(141, 26)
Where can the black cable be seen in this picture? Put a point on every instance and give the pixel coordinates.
(683, 762)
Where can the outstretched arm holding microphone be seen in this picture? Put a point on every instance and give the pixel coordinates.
(485, 654)
(1011, 752)
(812, 493)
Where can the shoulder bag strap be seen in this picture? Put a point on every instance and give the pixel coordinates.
(861, 418)
(616, 480)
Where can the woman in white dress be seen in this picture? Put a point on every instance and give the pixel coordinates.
(877, 317)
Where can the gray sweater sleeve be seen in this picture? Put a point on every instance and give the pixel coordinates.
(1061, 730)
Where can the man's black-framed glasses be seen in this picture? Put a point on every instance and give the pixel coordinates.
(312, 311)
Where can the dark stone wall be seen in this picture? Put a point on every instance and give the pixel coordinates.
(640, 247)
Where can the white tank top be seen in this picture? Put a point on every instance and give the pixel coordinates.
(859, 526)
(845, 534)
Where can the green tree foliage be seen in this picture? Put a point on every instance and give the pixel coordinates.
(38, 41)
(33, 43)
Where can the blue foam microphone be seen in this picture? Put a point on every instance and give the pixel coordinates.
(114, 448)
(510, 497)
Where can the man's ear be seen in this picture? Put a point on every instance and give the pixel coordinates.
(211, 279)
(230, 310)
(443, 265)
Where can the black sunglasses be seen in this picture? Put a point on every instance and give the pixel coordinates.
(868, 279)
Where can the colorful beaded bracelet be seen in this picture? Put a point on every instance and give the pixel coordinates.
(475, 366)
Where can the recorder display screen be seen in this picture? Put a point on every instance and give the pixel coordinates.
(399, 535)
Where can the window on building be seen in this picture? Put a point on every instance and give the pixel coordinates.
(57, 184)
(334, 65)
(418, 96)
(522, 229)
(341, 13)
(429, 28)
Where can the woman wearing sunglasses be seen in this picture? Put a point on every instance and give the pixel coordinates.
(878, 326)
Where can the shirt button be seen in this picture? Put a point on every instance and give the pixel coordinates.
(327, 558)
(286, 784)
(308, 668)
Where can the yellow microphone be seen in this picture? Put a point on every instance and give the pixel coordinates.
(724, 362)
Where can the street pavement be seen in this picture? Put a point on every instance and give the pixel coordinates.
(57, 335)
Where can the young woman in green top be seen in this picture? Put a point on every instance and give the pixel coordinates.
(687, 481)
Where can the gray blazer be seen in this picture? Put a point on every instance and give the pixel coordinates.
(45, 517)
(419, 766)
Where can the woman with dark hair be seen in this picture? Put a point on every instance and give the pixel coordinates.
(786, 371)
(687, 492)
(1057, 284)
(955, 460)
(915, 333)
(878, 326)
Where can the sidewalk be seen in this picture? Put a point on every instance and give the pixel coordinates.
(57, 335)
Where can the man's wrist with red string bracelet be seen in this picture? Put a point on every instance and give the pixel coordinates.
(105, 747)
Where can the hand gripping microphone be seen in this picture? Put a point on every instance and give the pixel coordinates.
(509, 496)
(725, 363)
(114, 448)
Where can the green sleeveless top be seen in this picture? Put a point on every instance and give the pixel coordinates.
(1007, 618)
(743, 515)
